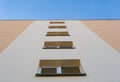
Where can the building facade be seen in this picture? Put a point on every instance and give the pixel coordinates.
(20, 60)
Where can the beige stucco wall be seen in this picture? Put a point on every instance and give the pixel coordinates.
(9, 30)
(109, 30)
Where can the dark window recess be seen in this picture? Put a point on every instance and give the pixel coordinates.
(70, 70)
(57, 34)
(48, 71)
(63, 67)
(57, 22)
(58, 45)
(52, 27)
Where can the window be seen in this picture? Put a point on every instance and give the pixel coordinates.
(57, 22)
(52, 27)
(60, 67)
(57, 34)
(58, 45)
(70, 70)
(48, 71)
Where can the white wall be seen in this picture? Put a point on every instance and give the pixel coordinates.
(19, 62)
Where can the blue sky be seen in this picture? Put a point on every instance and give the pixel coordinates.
(59, 9)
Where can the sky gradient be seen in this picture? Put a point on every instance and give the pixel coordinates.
(59, 9)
